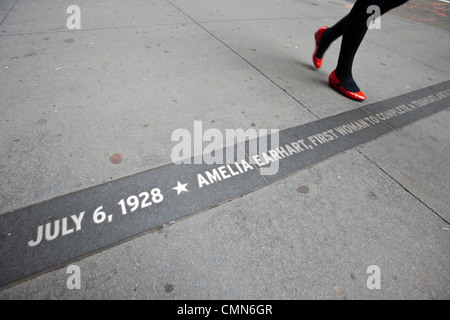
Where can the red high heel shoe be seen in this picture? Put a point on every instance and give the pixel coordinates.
(335, 84)
(318, 36)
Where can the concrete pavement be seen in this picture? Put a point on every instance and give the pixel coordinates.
(133, 74)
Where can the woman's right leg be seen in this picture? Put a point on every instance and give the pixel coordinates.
(355, 29)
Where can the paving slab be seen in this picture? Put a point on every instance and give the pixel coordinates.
(417, 157)
(27, 16)
(100, 94)
(87, 118)
(317, 9)
(224, 10)
(432, 13)
(401, 36)
(311, 236)
(42, 236)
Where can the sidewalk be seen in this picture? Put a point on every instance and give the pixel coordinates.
(87, 118)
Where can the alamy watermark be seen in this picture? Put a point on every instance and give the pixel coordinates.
(219, 149)
(74, 20)
(374, 21)
(374, 280)
(74, 280)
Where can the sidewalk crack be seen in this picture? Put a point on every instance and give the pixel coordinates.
(9, 12)
(245, 60)
(402, 186)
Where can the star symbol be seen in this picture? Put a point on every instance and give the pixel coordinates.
(180, 187)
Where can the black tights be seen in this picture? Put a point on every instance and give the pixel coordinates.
(352, 28)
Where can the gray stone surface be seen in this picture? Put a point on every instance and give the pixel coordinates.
(136, 72)
(417, 157)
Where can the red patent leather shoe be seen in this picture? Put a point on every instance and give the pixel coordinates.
(318, 36)
(335, 84)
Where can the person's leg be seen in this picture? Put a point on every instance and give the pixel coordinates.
(337, 30)
(329, 36)
(355, 29)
